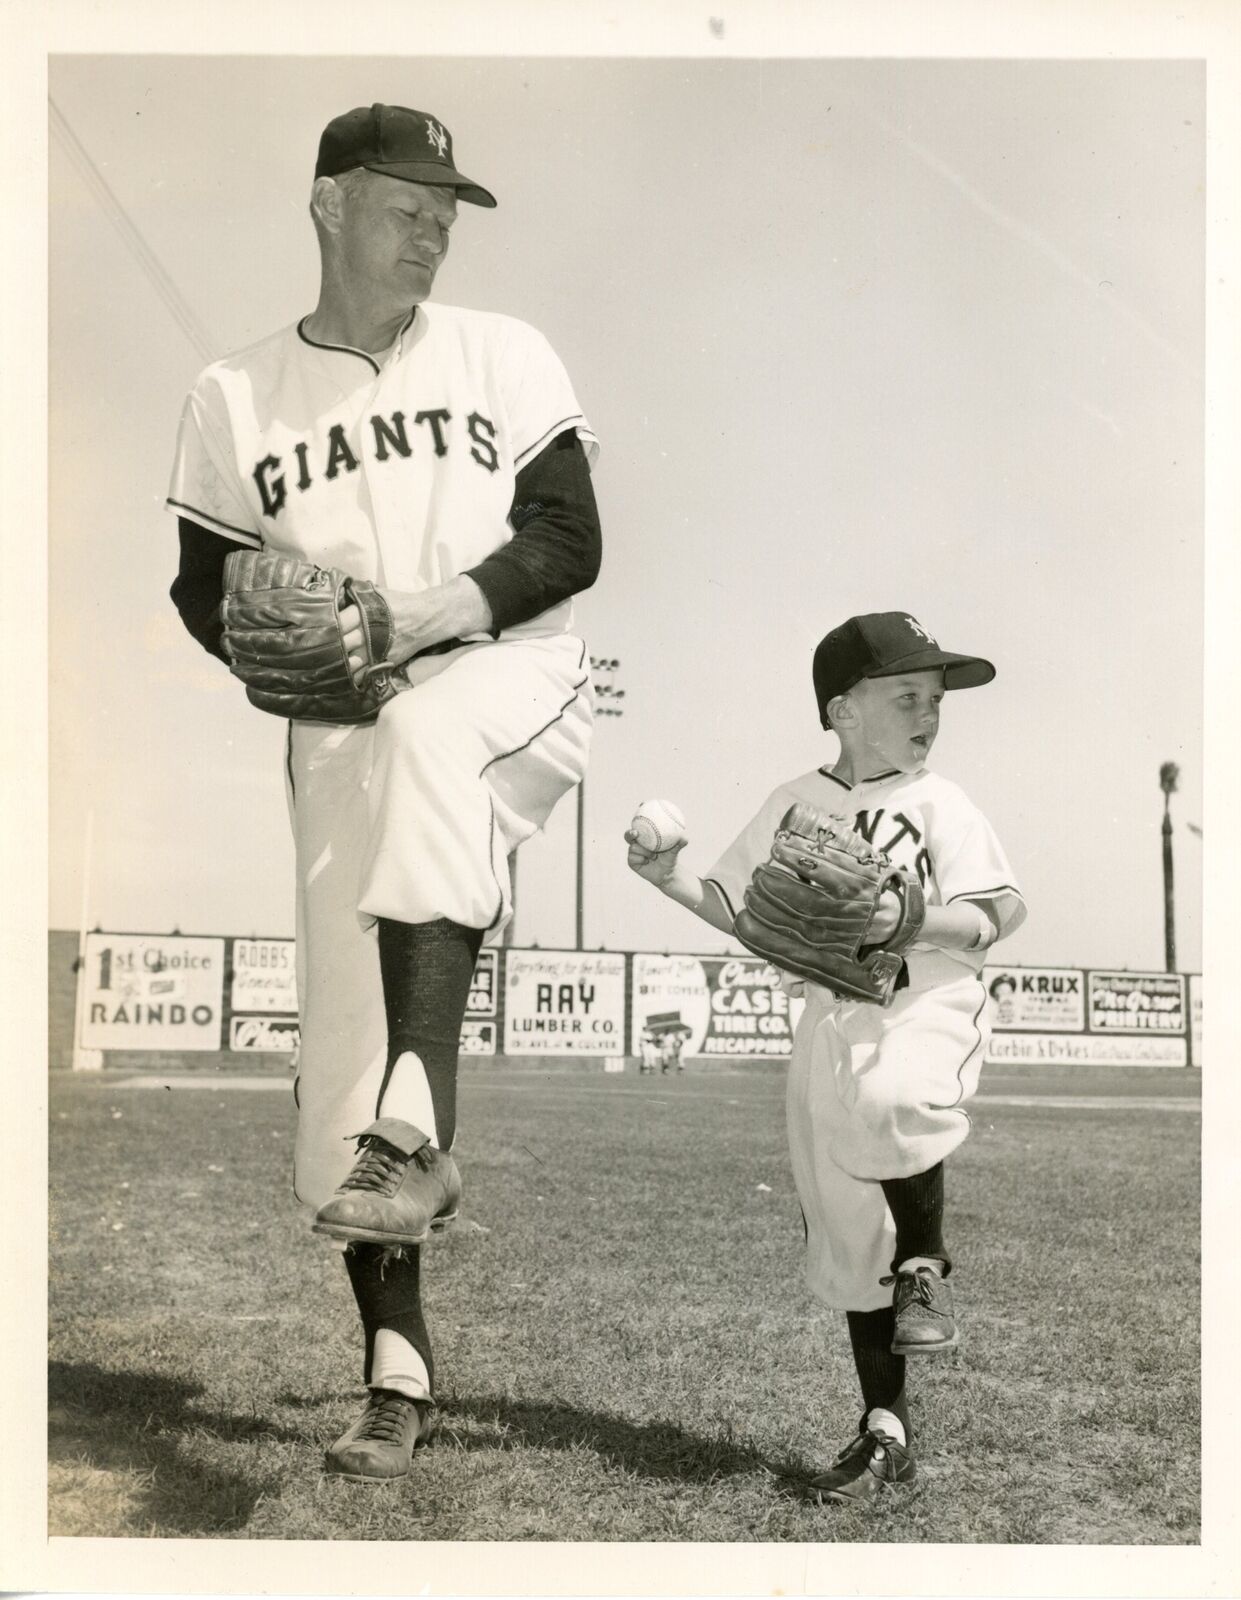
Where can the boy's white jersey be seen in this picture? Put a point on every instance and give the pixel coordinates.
(397, 468)
(919, 820)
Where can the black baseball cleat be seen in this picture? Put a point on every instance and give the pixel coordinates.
(381, 1443)
(924, 1323)
(872, 1463)
(400, 1190)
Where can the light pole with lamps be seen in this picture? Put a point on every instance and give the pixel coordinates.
(1169, 773)
(607, 696)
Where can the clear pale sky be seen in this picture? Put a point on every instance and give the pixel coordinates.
(855, 335)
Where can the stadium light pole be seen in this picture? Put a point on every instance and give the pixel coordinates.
(506, 938)
(1169, 773)
(607, 695)
(82, 1059)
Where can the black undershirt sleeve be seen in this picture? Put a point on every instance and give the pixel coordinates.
(557, 545)
(555, 551)
(199, 584)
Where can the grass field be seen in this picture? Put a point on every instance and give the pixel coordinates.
(625, 1348)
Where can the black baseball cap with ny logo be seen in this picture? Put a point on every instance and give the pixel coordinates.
(398, 142)
(880, 645)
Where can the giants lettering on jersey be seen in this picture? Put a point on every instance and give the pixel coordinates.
(388, 439)
(896, 835)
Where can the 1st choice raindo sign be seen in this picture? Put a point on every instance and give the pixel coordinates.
(148, 992)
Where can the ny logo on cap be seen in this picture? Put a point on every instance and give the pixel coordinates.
(436, 136)
(921, 632)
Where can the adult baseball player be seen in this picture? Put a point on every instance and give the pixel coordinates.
(876, 1089)
(442, 455)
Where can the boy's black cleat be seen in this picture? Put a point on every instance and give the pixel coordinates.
(873, 1462)
(922, 1301)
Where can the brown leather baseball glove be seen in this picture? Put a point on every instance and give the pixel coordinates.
(807, 910)
(283, 638)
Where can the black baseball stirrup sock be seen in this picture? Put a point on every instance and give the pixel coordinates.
(427, 968)
(881, 1374)
(917, 1207)
(386, 1285)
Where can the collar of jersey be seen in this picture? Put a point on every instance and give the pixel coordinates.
(880, 777)
(351, 350)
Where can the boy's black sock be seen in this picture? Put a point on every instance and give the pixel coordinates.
(880, 1373)
(427, 968)
(917, 1207)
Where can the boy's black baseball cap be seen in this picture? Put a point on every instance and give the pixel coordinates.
(881, 644)
(398, 142)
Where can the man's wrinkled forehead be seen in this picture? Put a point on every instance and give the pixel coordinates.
(438, 196)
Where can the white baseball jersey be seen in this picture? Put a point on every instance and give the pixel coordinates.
(879, 1092)
(919, 820)
(396, 468)
(400, 469)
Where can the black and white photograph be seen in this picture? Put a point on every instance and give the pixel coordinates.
(633, 635)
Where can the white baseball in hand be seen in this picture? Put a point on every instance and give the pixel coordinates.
(657, 826)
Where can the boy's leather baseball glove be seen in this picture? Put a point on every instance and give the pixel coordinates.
(807, 909)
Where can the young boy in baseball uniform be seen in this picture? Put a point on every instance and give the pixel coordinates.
(875, 1098)
(441, 454)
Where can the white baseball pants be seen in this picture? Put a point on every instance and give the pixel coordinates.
(413, 818)
(877, 1093)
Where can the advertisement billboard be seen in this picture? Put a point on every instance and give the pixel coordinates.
(1137, 1002)
(152, 992)
(484, 986)
(264, 976)
(263, 1033)
(720, 1005)
(1041, 999)
(478, 1038)
(1086, 1048)
(563, 1003)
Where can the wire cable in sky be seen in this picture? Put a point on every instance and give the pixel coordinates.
(179, 308)
(1027, 234)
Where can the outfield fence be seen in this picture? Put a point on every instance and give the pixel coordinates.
(143, 998)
